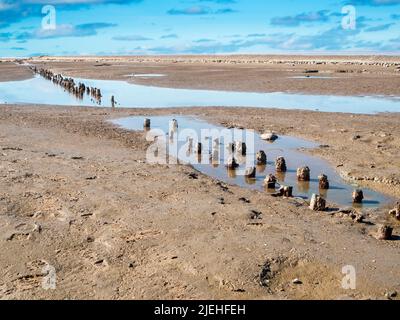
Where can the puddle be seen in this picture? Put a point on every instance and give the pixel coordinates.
(339, 192)
(40, 91)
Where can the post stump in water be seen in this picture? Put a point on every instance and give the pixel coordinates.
(270, 181)
(147, 123)
(280, 164)
(323, 182)
(261, 158)
(303, 174)
(358, 196)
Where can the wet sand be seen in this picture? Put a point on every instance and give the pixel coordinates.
(77, 194)
(10, 71)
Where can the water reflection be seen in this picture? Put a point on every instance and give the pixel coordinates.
(40, 91)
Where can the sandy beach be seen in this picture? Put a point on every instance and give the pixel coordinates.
(76, 192)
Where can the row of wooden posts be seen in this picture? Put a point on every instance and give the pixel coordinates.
(69, 85)
(303, 173)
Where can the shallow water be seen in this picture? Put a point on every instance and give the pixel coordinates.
(339, 193)
(40, 91)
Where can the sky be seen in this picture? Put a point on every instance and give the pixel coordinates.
(155, 27)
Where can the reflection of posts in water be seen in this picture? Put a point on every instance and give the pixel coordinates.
(261, 168)
(324, 193)
(215, 158)
(231, 173)
(112, 102)
(199, 158)
(303, 186)
(281, 176)
(250, 181)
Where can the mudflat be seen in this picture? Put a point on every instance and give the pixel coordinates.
(338, 75)
(11, 71)
(77, 194)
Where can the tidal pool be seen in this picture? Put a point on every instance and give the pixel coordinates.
(340, 191)
(40, 91)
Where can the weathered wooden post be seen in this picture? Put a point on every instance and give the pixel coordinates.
(317, 203)
(270, 181)
(323, 182)
(261, 158)
(286, 191)
(199, 148)
(303, 174)
(280, 164)
(147, 123)
(384, 232)
(396, 211)
(358, 196)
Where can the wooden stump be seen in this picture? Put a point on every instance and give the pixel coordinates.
(384, 232)
(270, 181)
(286, 191)
(317, 203)
(303, 174)
(358, 196)
(280, 164)
(323, 182)
(261, 158)
(147, 123)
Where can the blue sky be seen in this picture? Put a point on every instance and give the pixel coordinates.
(117, 27)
